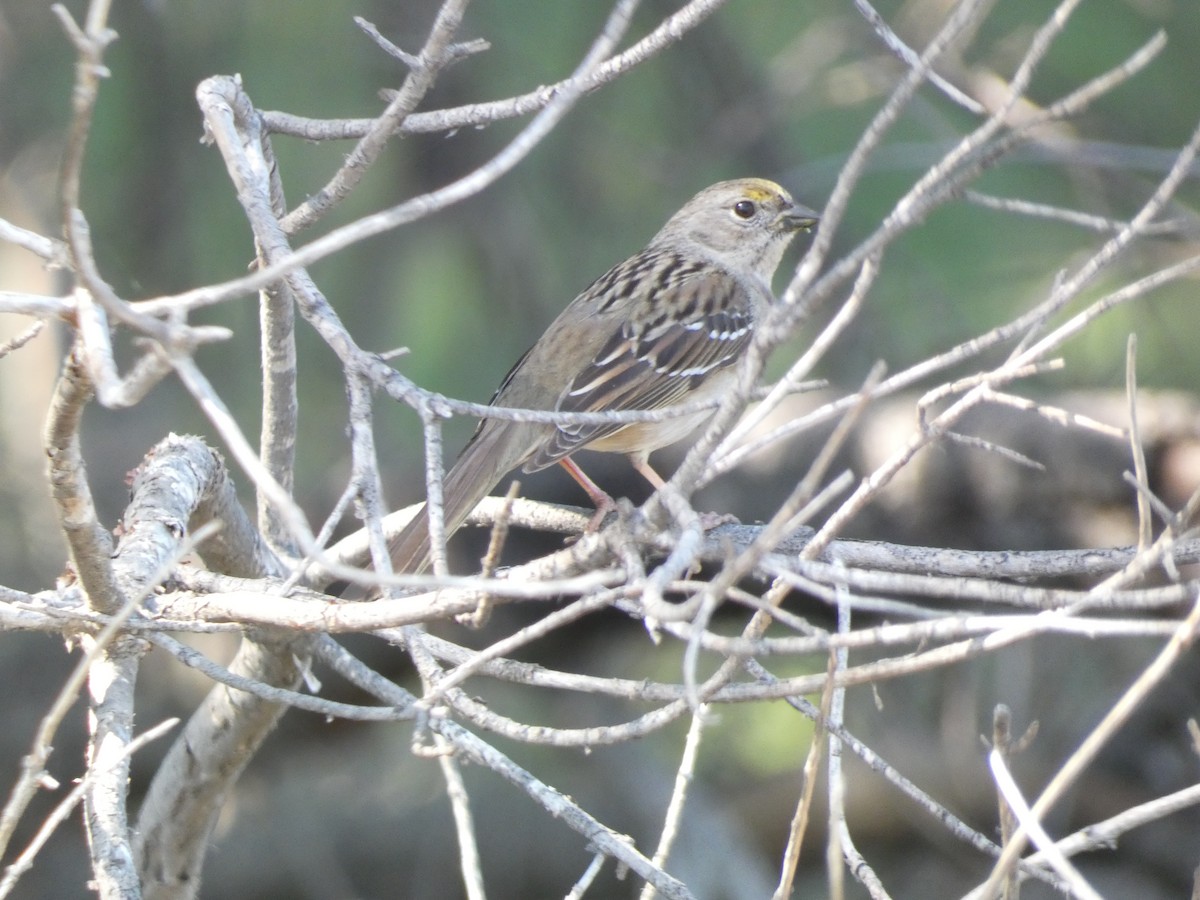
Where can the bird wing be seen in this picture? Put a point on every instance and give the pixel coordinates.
(655, 360)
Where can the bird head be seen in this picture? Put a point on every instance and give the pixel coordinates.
(744, 225)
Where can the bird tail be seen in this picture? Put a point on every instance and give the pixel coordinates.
(478, 469)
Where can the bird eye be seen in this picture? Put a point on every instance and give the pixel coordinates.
(744, 209)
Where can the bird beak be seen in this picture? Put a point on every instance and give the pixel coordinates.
(799, 218)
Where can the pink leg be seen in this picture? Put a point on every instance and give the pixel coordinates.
(604, 504)
(642, 465)
(708, 520)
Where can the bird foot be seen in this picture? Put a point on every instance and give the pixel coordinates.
(603, 508)
(711, 520)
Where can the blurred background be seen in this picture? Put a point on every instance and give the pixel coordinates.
(779, 90)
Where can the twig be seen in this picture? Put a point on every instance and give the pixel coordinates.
(580, 888)
(1060, 214)
(16, 343)
(271, 692)
(1086, 753)
(465, 743)
(911, 59)
(431, 428)
(365, 483)
(464, 823)
(64, 808)
(476, 115)
(799, 370)
(881, 767)
(1031, 826)
(491, 557)
(89, 542)
(277, 352)
(1136, 448)
(835, 778)
(529, 633)
(423, 72)
(270, 490)
(1003, 745)
(33, 765)
(684, 774)
(1063, 417)
(808, 781)
(35, 304)
(419, 207)
(49, 249)
(1105, 834)
(1007, 453)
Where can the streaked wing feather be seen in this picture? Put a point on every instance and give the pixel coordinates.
(655, 367)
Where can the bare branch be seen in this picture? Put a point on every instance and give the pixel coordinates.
(181, 482)
(409, 211)
(672, 29)
(482, 754)
(60, 813)
(1180, 641)
(89, 543)
(1012, 796)
(425, 68)
(54, 252)
(912, 59)
(11, 346)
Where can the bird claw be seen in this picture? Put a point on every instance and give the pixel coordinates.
(711, 520)
(598, 517)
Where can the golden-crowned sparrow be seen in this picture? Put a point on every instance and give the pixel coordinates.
(664, 327)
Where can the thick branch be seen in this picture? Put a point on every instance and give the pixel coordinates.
(183, 482)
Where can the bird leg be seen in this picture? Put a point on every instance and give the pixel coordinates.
(708, 520)
(604, 504)
(642, 465)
